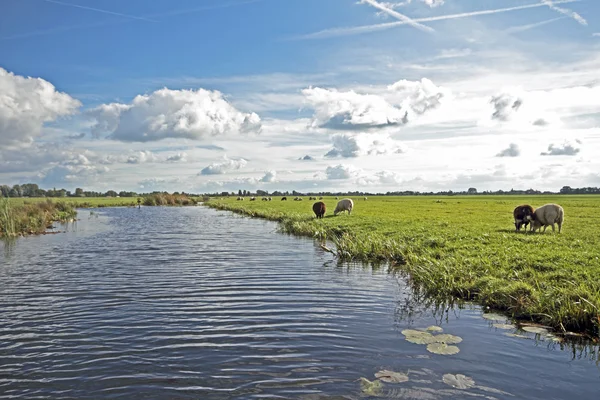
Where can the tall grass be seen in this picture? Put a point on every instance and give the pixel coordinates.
(466, 248)
(31, 218)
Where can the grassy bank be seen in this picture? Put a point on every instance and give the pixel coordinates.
(17, 218)
(100, 202)
(466, 247)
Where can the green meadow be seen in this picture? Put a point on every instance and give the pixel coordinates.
(466, 248)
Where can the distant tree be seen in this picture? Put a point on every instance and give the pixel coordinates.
(566, 190)
(4, 190)
(240, 193)
(111, 193)
(79, 192)
(472, 191)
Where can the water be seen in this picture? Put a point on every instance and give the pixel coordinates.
(191, 303)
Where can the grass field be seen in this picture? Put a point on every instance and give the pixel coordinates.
(466, 247)
(81, 202)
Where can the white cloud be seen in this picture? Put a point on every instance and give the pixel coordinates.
(355, 145)
(351, 110)
(140, 157)
(179, 157)
(512, 151)
(223, 167)
(505, 106)
(165, 113)
(269, 177)
(343, 171)
(419, 96)
(565, 149)
(26, 104)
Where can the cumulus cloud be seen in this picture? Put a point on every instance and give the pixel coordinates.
(306, 158)
(165, 113)
(343, 171)
(419, 96)
(505, 106)
(355, 145)
(140, 157)
(26, 104)
(269, 177)
(179, 157)
(565, 149)
(223, 167)
(351, 110)
(512, 151)
(69, 172)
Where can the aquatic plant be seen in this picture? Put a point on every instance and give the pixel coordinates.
(391, 376)
(24, 218)
(371, 388)
(458, 381)
(442, 348)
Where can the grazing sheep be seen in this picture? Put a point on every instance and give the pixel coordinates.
(284, 199)
(319, 209)
(268, 198)
(344, 205)
(320, 197)
(522, 214)
(240, 199)
(337, 198)
(252, 198)
(548, 214)
(365, 197)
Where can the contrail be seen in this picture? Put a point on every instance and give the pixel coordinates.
(50, 31)
(398, 16)
(565, 11)
(356, 30)
(523, 28)
(99, 10)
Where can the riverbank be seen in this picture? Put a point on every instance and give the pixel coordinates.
(465, 248)
(31, 216)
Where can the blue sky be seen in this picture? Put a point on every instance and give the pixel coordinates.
(332, 79)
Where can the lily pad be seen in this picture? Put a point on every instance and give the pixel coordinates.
(371, 388)
(434, 328)
(418, 337)
(446, 338)
(391, 376)
(516, 335)
(442, 348)
(504, 326)
(535, 329)
(494, 317)
(458, 381)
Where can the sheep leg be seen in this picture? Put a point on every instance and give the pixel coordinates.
(559, 226)
(553, 227)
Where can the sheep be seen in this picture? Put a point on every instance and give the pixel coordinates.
(320, 197)
(269, 199)
(522, 214)
(252, 198)
(240, 199)
(284, 199)
(548, 214)
(365, 198)
(319, 209)
(337, 198)
(344, 205)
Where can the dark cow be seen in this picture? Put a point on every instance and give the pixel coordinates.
(319, 209)
(283, 198)
(523, 214)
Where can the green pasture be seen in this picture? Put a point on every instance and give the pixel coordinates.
(465, 247)
(81, 202)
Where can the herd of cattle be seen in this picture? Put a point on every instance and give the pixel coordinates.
(544, 216)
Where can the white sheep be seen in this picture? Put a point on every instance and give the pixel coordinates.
(548, 214)
(344, 205)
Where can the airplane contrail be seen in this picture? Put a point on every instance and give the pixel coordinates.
(99, 10)
(565, 11)
(398, 16)
(523, 28)
(356, 30)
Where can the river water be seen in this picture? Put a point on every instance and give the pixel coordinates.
(192, 303)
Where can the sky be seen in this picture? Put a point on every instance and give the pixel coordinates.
(309, 95)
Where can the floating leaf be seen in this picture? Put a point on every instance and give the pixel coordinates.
(535, 329)
(442, 348)
(371, 388)
(418, 337)
(516, 335)
(504, 326)
(434, 328)
(391, 376)
(458, 381)
(446, 338)
(494, 317)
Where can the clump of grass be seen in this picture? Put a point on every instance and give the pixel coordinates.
(164, 199)
(466, 248)
(32, 218)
